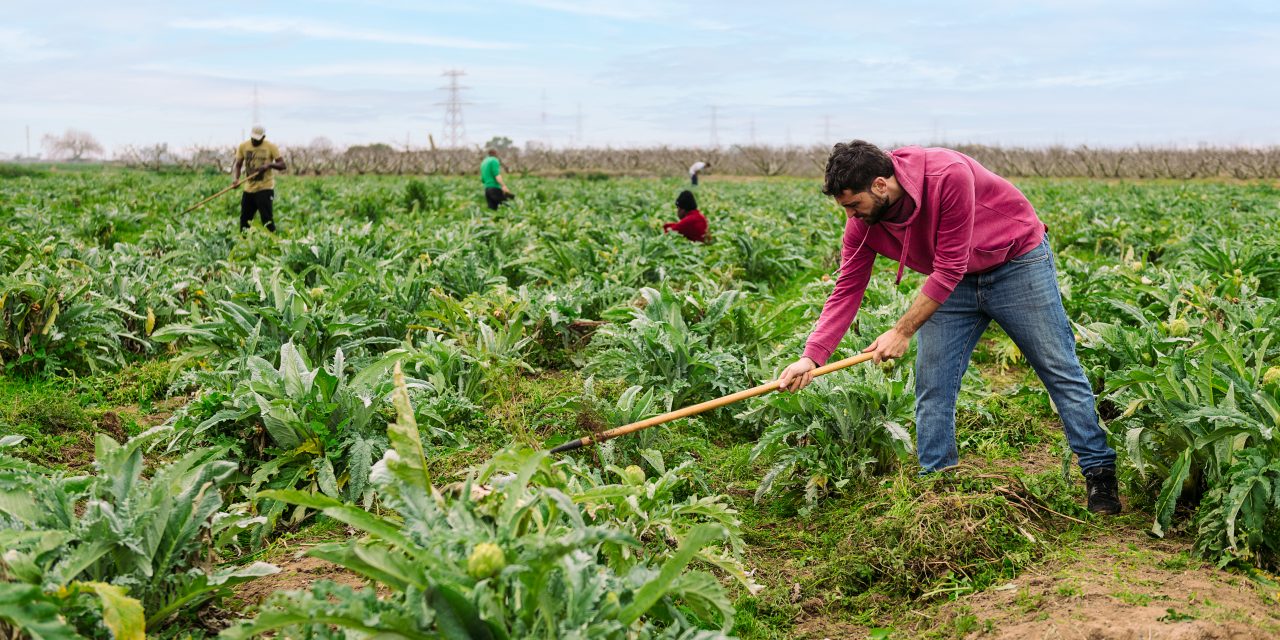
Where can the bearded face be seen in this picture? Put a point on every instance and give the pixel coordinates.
(864, 205)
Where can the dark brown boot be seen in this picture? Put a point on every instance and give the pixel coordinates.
(1104, 491)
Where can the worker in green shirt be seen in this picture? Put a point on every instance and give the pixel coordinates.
(495, 188)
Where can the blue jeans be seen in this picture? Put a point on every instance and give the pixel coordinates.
(1022, 297)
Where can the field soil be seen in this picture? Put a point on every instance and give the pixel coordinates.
(1118, 583)
(297, 572)
(1122, 586)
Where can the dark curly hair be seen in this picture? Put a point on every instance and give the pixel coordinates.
(685, 201)
(854, 166)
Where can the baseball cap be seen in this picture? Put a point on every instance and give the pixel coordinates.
(258, 132)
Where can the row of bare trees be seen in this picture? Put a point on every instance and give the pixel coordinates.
(322, 158)
(1139, 162)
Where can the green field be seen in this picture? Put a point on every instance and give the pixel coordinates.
(184, 407)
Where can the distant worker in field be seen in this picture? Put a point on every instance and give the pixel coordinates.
(692, 224)
(987, 257)
(495, 188)
(260, 159)
(695, 169)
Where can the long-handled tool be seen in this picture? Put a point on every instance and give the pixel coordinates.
(212, 197)
(702, 407)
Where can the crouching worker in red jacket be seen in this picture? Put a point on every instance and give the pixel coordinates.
(692, 224)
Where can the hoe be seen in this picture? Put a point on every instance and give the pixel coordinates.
(701, 407)
(214, 196)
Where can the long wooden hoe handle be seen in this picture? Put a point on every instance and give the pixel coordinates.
(206, 200)
(701, 407)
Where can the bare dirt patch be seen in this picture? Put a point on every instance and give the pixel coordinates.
(824, 628)
(112, 420)
(78, 454)
(162, 411)
(111, 424)
(1001, 379)
(1037, 459)
(297, 572)
(1123, 586)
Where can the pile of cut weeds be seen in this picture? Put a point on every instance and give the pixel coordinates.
(918, 539)
(890, 550)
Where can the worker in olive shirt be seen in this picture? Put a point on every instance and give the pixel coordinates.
(259, 159)
(495, 188)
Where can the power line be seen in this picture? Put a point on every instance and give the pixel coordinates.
(454, 132)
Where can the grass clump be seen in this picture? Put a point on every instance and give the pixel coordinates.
(1003, 425)
(889, 547)
(58, 417)
(57, 430)
(141, 383)
(420, 195)
(953, 533)
(10, 170)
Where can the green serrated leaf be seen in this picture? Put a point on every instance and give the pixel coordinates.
(121, 614)
(652, 591)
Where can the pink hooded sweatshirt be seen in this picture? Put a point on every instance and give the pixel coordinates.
(960, 218)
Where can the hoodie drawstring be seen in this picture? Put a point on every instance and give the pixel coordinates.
(902, 260)
(839, 272)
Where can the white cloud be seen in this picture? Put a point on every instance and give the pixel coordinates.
(331, 32)
(598, 9)
(17, 45)
(1106, 78)
(655, 12)
(416, 76)
(391, 69)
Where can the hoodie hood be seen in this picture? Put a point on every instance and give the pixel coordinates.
(908, 168)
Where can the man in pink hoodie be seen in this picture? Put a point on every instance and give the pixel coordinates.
(987, 257)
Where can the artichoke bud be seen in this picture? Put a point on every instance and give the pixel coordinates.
(633, 475)
(610, 607)
(486, 560)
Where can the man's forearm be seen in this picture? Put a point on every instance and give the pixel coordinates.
(895, 342)
(915, 317)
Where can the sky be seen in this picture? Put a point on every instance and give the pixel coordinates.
(635, 73)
